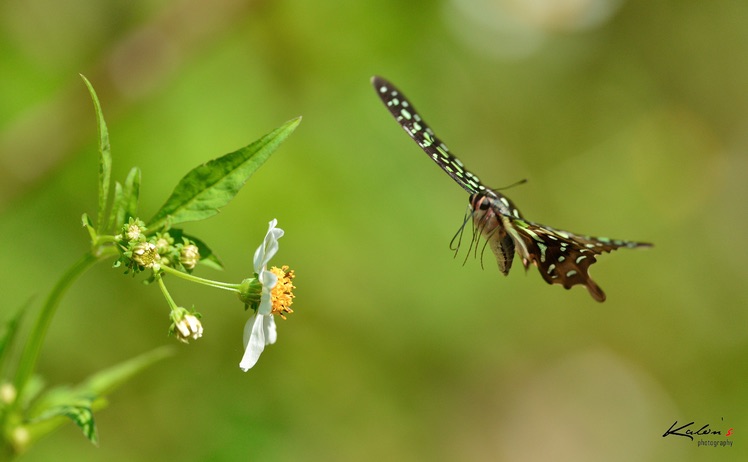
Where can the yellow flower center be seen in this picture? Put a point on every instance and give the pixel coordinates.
(145, 254)
(281, 296)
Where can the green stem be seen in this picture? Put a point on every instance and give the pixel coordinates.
(105, 239)
(30, 354)
(167, 295)
(199, 280)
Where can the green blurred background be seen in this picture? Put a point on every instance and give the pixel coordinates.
(629, 118)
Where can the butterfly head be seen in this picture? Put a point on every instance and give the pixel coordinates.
(487, 199)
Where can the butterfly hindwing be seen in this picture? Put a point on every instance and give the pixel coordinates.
(560, 256)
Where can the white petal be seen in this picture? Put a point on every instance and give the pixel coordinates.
(248, 329)
(254, 341)
(269, 246)
(259, 258)
(268, 279)
(266, 305)
(270, 333)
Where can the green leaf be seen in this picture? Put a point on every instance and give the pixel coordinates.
(78, 403)
(117, 208)
(207, 257)
(207, 188)
(126, 204)
(86, 222)
(81, 415)
(132, 193)
(105, 158)
(33, 389)
(104, 382)
(9, 335)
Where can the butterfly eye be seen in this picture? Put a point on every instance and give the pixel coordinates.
(479, 202)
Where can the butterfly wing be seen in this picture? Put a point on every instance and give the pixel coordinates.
(560, 256)
(408, 118)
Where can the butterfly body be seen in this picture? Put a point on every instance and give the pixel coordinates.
(488, 211)
(561, 257)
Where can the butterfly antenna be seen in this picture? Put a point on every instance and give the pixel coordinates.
(518, 183)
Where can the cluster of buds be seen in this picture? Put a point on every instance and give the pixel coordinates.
(140, 251)
(161, 252)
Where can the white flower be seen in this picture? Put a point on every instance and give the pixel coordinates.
(260, 327)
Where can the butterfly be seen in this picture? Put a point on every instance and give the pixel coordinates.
(561, 257)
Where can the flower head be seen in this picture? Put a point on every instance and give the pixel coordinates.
(146, 254)
(185, 325)
(133, 230)
(268, 293)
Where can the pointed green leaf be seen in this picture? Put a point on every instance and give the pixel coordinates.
(33, 389)
(132, 193)
(118, 210)
(88, 224)
(9, 335)
(105, 158)
(207, 188)
(81, 415)
(104, 382)
(76, 403)
(207, 257)
(126, 199)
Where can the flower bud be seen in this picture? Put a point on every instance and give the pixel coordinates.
(189, 256)
(134, 230)
(163, 243)
(185, 325)
(145, 254)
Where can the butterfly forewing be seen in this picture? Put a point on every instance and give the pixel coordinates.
(407, 116)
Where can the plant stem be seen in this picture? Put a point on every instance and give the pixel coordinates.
(30, 354)
(199, 280)
(165, 292)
